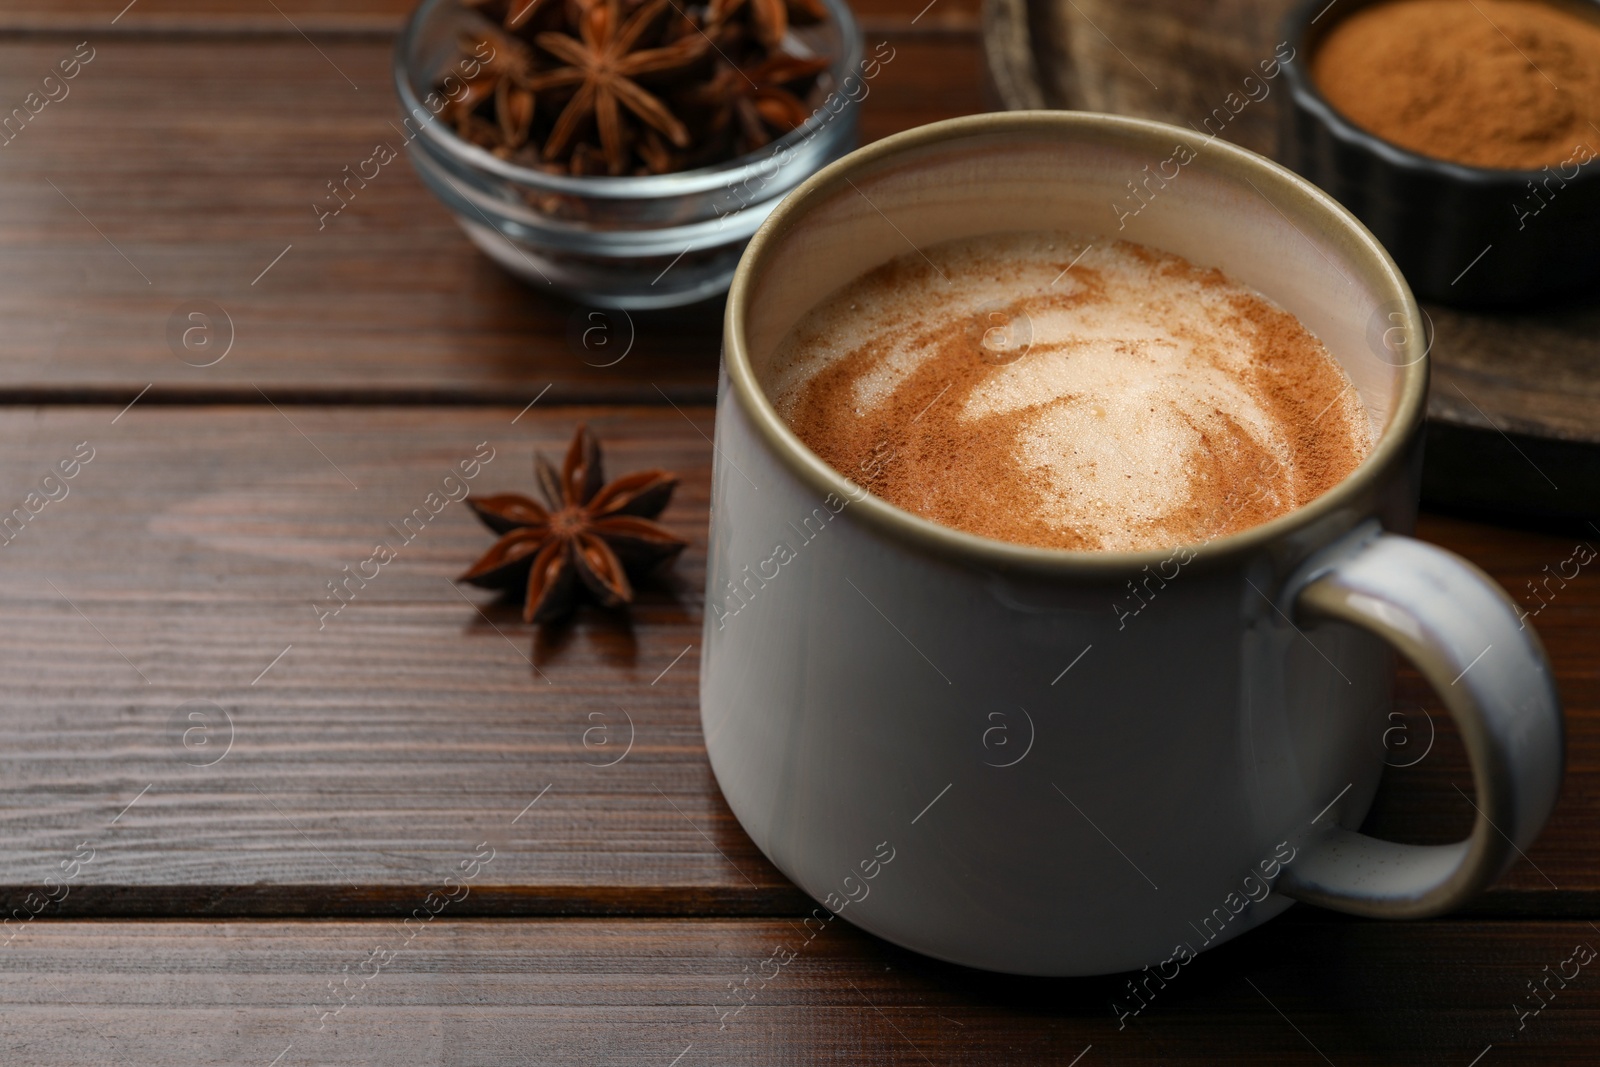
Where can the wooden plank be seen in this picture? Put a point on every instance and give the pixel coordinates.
(107, 17)
(196, 548)
(1299, 991)
(120, 213)
(345, 16)
(1531, 373)
(187, 570)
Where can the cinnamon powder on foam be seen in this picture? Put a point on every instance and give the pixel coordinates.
(1158, 403)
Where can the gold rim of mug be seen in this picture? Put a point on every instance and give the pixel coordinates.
(1327, 219)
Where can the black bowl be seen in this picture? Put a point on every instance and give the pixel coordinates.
(1462, 235)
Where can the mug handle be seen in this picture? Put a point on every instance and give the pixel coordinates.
(1464, 634)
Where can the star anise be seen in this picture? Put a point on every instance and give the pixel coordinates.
(631, 87)
(759, 99)
(769, 19)
(604, 64)
(503, 78)
(587, 537)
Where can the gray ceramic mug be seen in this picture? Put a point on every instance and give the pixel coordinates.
(984, 751)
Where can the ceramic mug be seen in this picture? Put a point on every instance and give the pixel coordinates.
(1061, 762)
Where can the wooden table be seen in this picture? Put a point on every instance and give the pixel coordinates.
(219, 811)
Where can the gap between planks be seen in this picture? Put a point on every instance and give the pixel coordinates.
(107, 902)
(495, 395)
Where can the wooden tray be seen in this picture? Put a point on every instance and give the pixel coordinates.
(1514, 407)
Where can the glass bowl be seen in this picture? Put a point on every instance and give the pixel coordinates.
(634, 243)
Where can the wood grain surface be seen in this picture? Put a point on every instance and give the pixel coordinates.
(187, 570)
(1304, 990)
(121, 214)
(213, 17)
(1534, 373)
(182, 731)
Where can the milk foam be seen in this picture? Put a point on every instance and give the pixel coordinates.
(1038, 388)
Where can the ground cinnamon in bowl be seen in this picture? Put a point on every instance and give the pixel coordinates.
(1504, 84)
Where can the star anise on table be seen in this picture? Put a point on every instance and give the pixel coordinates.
(603, 64)
(587, 536)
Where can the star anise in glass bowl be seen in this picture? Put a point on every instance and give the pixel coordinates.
(635, 87)
(622, 152)
(587, 538)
